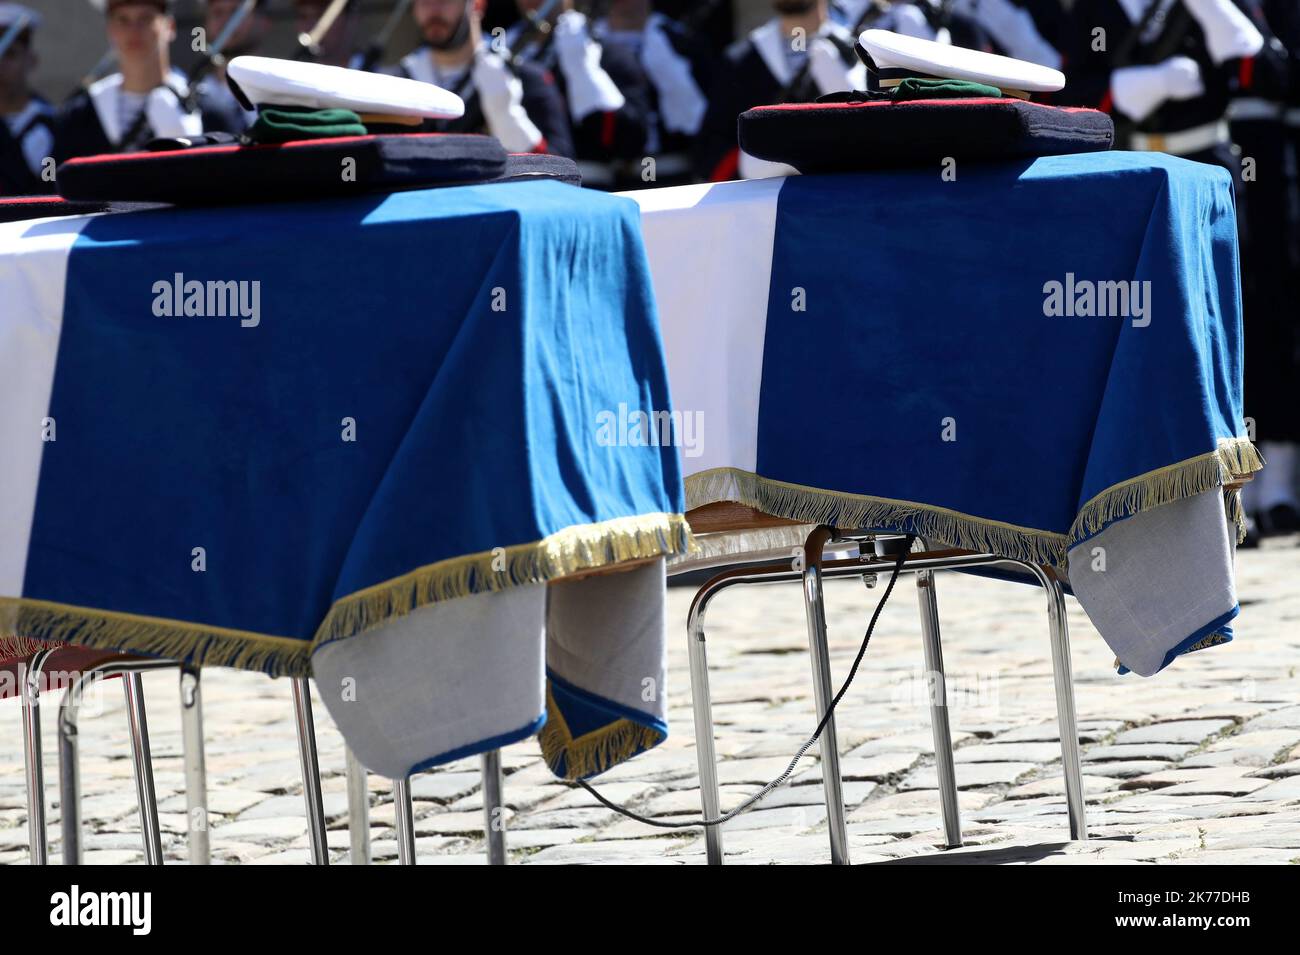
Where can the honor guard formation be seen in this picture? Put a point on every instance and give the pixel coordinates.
(457, 429)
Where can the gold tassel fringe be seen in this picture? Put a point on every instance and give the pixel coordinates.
(809, 505)
(154, 636)
(1233, 458)
(595, 752)
(576, 549)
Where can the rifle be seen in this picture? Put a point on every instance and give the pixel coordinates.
(374, 51)
(309, 42)
(14, 32)
(214, 57)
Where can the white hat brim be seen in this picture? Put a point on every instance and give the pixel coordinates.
(896, 51)
(271, 82)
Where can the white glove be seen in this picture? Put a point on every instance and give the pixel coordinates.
(827, 67)
(1138, 91)
(590, 90)
(1229, 34)
(501, 95)
(167, 117)
(681, 102)
(1012, 27)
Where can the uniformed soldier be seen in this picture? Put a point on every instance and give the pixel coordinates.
(27, 133)
(516, 102)
(670, 73)
(147, 99)
(1164, 69)
(604, 87)
(222, 112)
(1168, 71)
(798, 55)
(1268, 96)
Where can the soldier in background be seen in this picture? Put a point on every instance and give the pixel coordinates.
(676, 66)
(515, 102)
(221, 111)
(795, 57)
(1268, 90)
(145, 100)
(604, 87)
(27, 133)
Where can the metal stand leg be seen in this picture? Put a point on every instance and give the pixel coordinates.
(358, 811)
(133, 687)
(1066, 722)
(196, 774)
(32, 758)
(824, 693)
(311, 790)
(405, 820)
(70, 771)
(494, 820)
(702, 703)
(939, 708)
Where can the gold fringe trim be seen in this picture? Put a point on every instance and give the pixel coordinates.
(154, 636)
(586, 547)
(809, 505)
(571, 551)
(13, 646)
(1235, 457)
(594, 752)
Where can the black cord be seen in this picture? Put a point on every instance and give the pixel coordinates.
(808, 744)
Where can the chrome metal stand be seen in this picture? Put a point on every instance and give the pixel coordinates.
(929, 561)
(196, 772)
(33, 761)
(150, 832)
(358, 811)
(824, 692)
(494, 820)
(70, 757)
(1066, 720)
(938, 691)
(702, 704)
(404, 818)
(311, 788)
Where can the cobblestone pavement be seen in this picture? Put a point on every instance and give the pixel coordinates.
(1200, 764)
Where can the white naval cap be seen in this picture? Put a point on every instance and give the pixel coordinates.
(11, 13)
(271, 82)
(894, 57)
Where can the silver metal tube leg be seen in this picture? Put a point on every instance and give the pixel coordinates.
(404, 817)
(311, 789)
(150, 834)
(196, 772)
(702, 703)
(33, 761)
(943, 759)
(1066, 721)
(815, 611)
(494, 819)
(70, 774)
(358, 811)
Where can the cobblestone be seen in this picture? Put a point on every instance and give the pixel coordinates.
(1200, 764)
